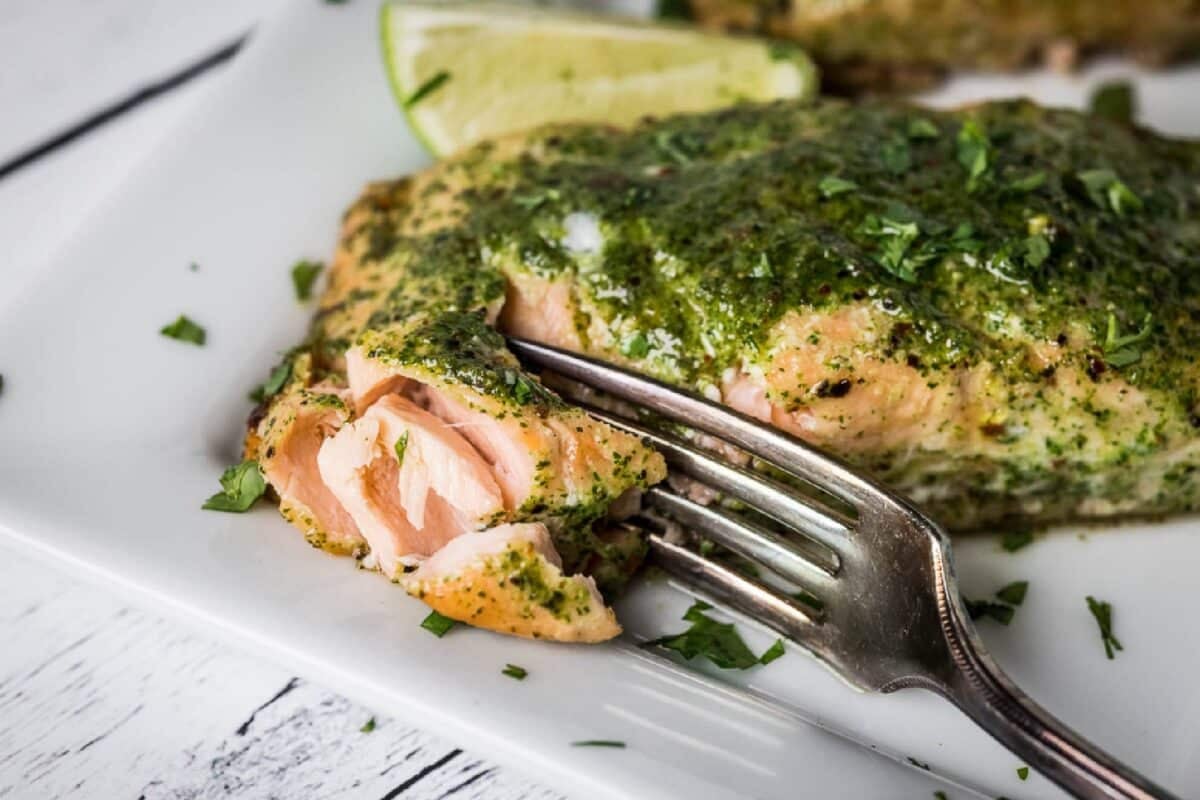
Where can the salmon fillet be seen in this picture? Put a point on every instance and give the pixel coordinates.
(993, 310)
(909, 43)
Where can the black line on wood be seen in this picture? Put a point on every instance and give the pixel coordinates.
(287, 687)
(408, 784)
(468, 782)
(122, 106)
(136, 710)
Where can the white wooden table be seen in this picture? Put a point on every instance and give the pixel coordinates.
(98, 699)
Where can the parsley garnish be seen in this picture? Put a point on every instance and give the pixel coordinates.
(974, 152)
(1109, 191)
(304, 273)
(896, 155)
(513, 671)
(427, 88)
(921, 128)
(1014, 593)
(1103, 613)
(184, 330)
(636, 346)
(279, 376)
(400, 447)
(1022, 772)
(986, 608)
(1121, 351)
(599, 743)
(1030, 182)
(1012, 541)
(241, 486)
(719, 642)
(1037, 250)
(679, 9)
(896, 237)
(773, 652)
(832, 186)
(810, 600)
(437, 624)
(368, 726)
(1115, 101)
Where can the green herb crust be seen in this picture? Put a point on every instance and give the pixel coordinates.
(1028, 279)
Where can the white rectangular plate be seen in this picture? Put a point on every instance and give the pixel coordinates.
(111, 436)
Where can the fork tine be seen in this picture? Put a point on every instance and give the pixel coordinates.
(798, 561)
(724, 586)
(808, 517)
(778, 448)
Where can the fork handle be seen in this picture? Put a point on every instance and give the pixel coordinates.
(985, 694)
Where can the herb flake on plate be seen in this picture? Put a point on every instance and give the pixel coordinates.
(1102, 611)
(1023, 772)
(368, 726)
(513, 671)
(1012, 541)
(1014, 593)
(719, 642)
(304, 275)
(599, 743)
(241, 486)
(437, 624)
(184, 330)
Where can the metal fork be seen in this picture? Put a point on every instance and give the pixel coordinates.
(892, 616)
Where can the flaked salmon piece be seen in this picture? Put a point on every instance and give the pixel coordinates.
(551, 461)
(509, 579)
(409, 481)
(286, 441)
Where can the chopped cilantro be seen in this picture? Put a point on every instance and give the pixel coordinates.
(773, 652)
(1012, 541)
(304, 274)
(896, 155)
(400, 447)
(1029, 183)
(1121, 351)
(184, 330)
(974, 152)
(1022, 772)
(437, 624)
(278, 377)
(1102, 611)
(599, 743)
(1114, 100)
(427, 88)
(1014, 593)
(986, 608)
(679, 9)
(832, 186)
(896, 237)
(513, 671)
(1108, 191)
(1037, 250)
(241, 486)
(812, 601)
(921, 128)
(719, 642)
(368, 726)
(636, 346)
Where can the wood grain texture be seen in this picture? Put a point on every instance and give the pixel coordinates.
(100, 700)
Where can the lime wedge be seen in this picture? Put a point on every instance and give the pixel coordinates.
(466, 72)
